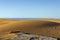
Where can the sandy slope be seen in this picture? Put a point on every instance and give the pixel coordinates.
(49, 28)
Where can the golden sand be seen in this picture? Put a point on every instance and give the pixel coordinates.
(50, 28)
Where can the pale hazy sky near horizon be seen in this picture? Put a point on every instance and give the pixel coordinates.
(30, 9)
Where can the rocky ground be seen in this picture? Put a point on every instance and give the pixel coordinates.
(21, 36)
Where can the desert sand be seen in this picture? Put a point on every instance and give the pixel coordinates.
(50, 28)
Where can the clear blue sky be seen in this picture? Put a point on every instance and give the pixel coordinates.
(29, 8)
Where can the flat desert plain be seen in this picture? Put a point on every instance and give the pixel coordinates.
(50, 28)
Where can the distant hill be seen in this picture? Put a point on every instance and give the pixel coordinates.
(31, 18)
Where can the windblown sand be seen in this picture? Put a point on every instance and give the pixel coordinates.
(50, 28)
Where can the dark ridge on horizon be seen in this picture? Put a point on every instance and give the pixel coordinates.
(31, 18)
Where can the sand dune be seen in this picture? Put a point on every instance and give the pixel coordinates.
(49, 28)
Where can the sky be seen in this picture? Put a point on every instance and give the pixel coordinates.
(29, 8)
